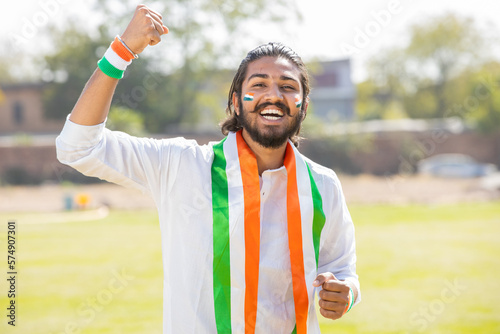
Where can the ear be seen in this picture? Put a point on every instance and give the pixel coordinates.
(236, 104)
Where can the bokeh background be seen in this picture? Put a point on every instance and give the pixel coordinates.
(405, 107)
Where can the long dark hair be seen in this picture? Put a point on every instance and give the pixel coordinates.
(232, 123)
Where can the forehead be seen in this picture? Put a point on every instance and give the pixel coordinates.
(274, 67)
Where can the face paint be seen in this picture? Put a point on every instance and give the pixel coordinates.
(298, 102)
(248, 97)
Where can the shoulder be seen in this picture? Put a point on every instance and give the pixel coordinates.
(187, 148)
(328, 184)
(323, 175)
(170, 149)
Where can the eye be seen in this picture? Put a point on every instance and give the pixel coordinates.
(258, 85)
(288, 87)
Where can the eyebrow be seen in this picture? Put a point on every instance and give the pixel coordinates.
(265, 76)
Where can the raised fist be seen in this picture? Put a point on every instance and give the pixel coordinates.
(145, 28)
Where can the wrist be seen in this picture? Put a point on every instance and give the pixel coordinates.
(125, 45)
(350, 301)
(116, 59)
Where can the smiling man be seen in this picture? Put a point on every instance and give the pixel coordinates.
(250, 228)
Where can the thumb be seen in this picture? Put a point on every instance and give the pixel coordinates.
(165, 29)
(322, 278)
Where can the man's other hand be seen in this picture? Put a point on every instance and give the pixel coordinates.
(334, 295)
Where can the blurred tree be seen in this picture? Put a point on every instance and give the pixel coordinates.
(126, 120)
(382, 95)
(4, 73)
(481, 102)
(75, 59)
(11, 66)
(421, 76)
(368, 106)
(67, 69)
(204, 39)
(166, 88)
(439, 50)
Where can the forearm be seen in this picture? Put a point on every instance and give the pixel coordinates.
(93, 105)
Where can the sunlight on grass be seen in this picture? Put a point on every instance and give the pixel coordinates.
(423, 269)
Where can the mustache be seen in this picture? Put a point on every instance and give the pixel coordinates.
(264, 105)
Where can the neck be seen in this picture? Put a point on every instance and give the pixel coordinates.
(267, 158)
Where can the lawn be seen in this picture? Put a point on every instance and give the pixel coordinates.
(423, 269)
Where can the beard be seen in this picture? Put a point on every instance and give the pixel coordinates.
(270, 136)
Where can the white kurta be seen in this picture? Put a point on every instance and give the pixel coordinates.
(177, 174)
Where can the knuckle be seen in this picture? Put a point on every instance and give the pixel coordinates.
(142, 10)
(329, 285)
(323, 312)
(331, 281)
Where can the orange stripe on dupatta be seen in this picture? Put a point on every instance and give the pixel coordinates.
(295, 243)
(251, 194)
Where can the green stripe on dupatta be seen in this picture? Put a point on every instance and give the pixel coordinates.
(319, 215)
(221, 260)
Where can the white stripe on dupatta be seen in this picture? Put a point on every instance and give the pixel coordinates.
(307, 215)
(236, 233)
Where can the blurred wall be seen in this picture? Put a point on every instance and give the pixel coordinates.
(384, 154)
(21, 111)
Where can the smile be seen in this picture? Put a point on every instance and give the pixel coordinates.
(271, 114)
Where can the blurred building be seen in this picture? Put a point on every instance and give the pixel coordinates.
(333, 92)
(21, 110)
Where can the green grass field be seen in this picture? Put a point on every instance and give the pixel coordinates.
(423, 269)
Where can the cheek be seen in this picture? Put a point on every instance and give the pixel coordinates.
(250, 104)
(297, 101)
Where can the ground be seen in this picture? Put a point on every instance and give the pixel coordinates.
(427, 258)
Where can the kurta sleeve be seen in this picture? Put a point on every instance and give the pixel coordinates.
(338, 247)
(112, 155)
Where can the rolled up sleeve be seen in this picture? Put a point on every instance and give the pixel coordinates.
(110, 155)
(338, 246)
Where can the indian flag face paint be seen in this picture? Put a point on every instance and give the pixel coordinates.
(248, 97)
(298, 102)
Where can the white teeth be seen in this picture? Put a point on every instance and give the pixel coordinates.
(271, 118)
(271, 112)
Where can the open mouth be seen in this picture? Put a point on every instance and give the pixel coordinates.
(272, 114)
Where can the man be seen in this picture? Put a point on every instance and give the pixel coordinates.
(249, 226)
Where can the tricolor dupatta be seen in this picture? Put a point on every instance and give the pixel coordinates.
(236, 235)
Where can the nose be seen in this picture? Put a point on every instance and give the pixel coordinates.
(274, 94)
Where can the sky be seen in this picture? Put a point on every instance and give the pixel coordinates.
(356, 29)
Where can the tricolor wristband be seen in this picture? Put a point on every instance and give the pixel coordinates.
(350, 302)
(107, 68)
(116, 59)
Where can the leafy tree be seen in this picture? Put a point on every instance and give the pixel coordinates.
(67, 69)
(169, 90)
(13, 67)
(204, 35)
(421, 77)
(73, 62)
(126, 120)
(481, 102)
(368, 106)
(4, 73)
(439, 50)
